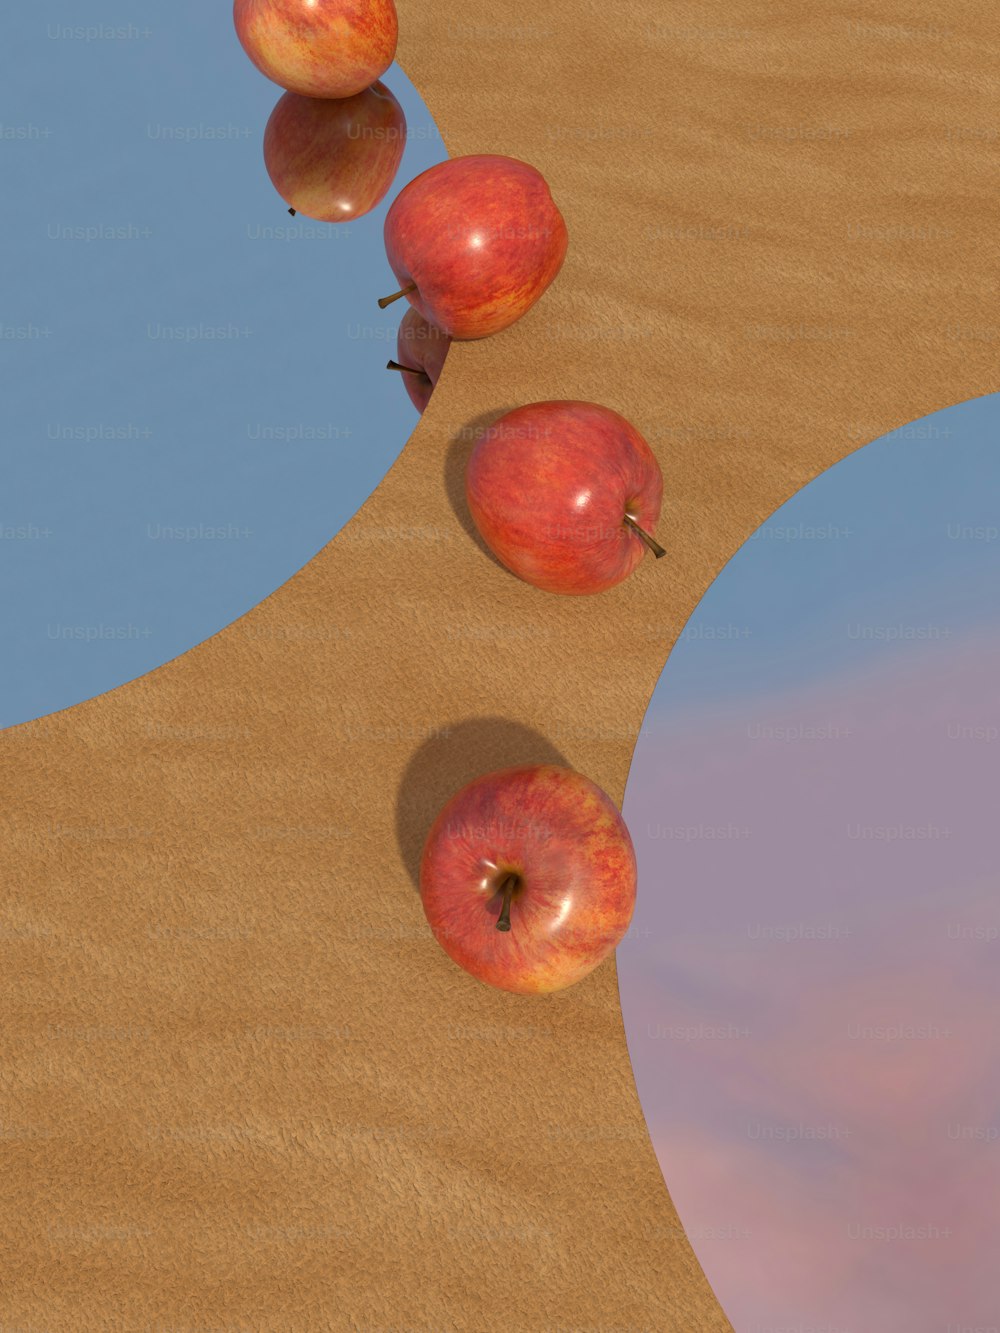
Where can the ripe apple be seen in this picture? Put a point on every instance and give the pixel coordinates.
(319, 48)
(528, 878)
(422, 349)
(566, 495)
(474, 242)
(334, 159)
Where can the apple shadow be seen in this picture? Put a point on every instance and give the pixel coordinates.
(456, 458)
(448, 761)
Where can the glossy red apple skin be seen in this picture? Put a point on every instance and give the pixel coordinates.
(335, 159)
(481, 237)
(566, 840)
(319, 48)
(549, 486)
(424, 347)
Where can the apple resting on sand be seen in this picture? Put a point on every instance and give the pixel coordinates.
(528, 878)
(566, 495)
(334, 160)
(474, 242)
(320, 48)
(422, 349)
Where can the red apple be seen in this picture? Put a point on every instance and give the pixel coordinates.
(528, 878)
(422, 349)
(334, 159)
(566, 495)
(474, 242)
(319, 48)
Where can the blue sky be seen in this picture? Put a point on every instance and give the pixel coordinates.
(875, 543)
(155, 488)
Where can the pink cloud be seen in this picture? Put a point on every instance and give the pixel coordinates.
(826, 1107)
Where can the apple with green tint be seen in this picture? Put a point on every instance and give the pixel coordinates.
(335, 159)
(319, 48)
(528, 878)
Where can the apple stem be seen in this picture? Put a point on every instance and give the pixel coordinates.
(654, 546)
(410, 370)
(507, 889)
(292, 211)
(388, 300)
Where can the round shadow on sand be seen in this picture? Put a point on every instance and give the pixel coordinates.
(451, 759)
